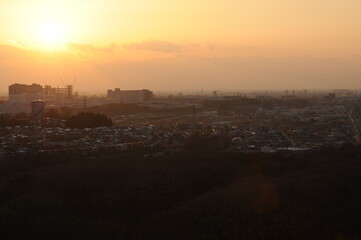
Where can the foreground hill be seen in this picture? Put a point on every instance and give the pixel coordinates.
(190, 195)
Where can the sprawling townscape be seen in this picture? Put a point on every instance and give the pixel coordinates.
(277, 121)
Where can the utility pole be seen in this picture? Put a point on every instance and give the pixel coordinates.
(85, 103)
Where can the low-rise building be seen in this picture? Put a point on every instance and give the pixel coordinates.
(129, 96)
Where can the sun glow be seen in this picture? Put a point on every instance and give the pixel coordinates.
(51, 35)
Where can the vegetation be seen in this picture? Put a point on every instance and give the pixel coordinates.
(61, 113)
(21, 119)
(127, 109)
(268, 103)
(195, 194)
(89, 120)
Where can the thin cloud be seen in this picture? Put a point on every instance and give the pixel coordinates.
(92, 48)
(155, 46)
(19, 44)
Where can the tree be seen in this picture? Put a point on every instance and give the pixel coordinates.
(52, 113)
(66, 112)
(89, 120)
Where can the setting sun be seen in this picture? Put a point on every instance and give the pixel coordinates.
(216, 44)
(51, 34)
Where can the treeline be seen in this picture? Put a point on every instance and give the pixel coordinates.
(268, 103)
(80, 120)
(24, 119)
(127, 109)
(88, 120)
(194, 194)
(231, 104)
(20, 119)
(63, 113)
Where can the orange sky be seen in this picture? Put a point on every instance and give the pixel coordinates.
(168, 45)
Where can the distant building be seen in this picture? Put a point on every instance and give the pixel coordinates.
(58, 96)
(130, 96)
(22, 95)
(217, 98)
(289, 97)
(66, 92)
(330, 97)
(25, 94)
(343, 92)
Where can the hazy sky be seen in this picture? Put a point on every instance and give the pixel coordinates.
(181, 44)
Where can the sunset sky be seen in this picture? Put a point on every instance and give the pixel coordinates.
(181, 44)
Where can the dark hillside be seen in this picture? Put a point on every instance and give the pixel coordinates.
(189, 195)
